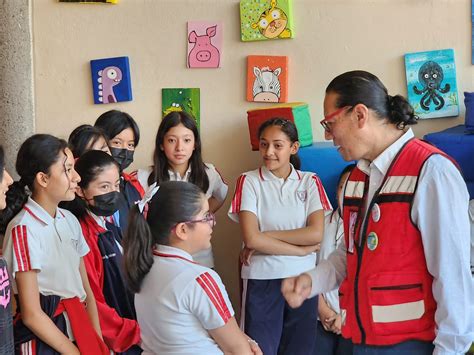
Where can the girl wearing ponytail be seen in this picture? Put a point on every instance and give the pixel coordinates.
(182, 307)
(280, 210)
(44, 248)
(98, 198)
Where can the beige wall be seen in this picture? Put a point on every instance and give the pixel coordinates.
(332, 36)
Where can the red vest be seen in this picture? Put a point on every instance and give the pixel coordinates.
(387, 293)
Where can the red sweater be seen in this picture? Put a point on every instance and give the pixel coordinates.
(119, 333)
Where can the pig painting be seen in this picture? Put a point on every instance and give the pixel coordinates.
(203, 50)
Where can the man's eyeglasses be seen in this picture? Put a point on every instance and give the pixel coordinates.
(327, 120)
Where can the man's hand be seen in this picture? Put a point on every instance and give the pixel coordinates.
(296, 289)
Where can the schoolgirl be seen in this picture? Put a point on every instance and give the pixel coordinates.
(98, 197)
(123, 135)
(44, 247)
(177, 157)
(330, 317)
(182, 307)
(6, 297)
(86, 137)
(281, 213)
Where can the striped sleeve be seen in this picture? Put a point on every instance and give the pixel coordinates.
(209, 302)
(318, 197)
(25, 249)
(237, 200)
(245, 198)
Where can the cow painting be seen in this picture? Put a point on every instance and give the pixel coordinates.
(266, 86)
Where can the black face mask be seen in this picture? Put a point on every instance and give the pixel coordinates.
(106, 204)
(123, 157)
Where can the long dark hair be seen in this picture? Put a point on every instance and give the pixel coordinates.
(287, 127)
(37, 154)
(114, 121)
(3, 214)
(2, 162)
(175, 202)
(361, 87)
(347, 169)
(160, 173)
(83, 137)
(88, 166)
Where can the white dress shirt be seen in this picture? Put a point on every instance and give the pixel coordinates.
(440, 211)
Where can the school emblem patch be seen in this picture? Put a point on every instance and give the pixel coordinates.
(302, 195)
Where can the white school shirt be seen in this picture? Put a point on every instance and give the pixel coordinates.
(439, 210)
(178, 303)
(217, 189)
(333, 236)
(471, 217)
(53, 246)
(278, 204)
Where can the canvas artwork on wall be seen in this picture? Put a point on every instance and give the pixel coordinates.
(182, 99)
(111, 80)
(431, 83)
(204, 44)
(92, 1)
(267, 78)
(266, 19)
(472, 31)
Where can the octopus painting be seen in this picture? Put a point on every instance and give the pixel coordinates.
(431, 83)
(431, 78)
(111, 80)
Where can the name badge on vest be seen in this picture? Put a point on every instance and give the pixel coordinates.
(302, 195)
(372, 241)
(352, 224)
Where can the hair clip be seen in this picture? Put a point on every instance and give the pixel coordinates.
(147, 197)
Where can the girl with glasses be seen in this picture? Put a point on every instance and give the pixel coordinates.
(182, 307)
